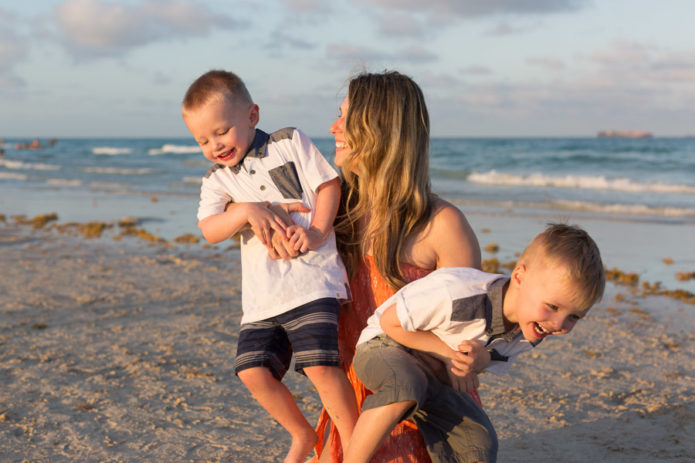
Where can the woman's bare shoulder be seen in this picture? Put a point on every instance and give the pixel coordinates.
(452, 237)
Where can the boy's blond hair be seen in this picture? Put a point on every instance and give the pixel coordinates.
(574, 248)
(214, 84)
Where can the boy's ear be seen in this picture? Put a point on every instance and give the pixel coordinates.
(519, 273)
(254, 115)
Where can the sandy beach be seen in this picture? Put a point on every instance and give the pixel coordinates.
(122, 350)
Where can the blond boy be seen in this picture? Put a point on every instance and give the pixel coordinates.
(288, 305)
(558, 277)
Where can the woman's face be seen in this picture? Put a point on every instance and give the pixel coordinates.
(338, 130)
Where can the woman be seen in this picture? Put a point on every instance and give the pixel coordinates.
(391, 229)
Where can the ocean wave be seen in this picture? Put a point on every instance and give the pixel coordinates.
(107, 185)
(175, 149)
(625, 209)
(19, 165)
(63, 182)
(197, 180)
(118, 171)
(613, 210)
(111, 150)
(12, 176)
(578, 182)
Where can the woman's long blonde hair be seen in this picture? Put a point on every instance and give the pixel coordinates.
(387, 130)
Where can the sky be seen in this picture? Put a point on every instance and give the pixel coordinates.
(108, 68)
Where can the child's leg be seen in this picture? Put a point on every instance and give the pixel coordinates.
(337, 396)
(263, 356)
(313, 332)
(399, 385)
(371, 429)
(277, 400)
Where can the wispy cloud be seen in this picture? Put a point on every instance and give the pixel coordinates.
(13, 50)
(95, 28)
(346, 53)
(398, 24)
(280, 39)
(546, 63)
(477, 8)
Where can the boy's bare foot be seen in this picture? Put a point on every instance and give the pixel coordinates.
(301, 447)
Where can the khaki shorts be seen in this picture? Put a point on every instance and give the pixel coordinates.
(453, 426)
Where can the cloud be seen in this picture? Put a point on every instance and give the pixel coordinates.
(546, 63)
(95, 28)
(13, 50)
(477, 8)
(645, 64)
(476, 70)
(397, 24)
(346, 53)
(354, 53)
(503, 29)
(281, 39)
(308, 6)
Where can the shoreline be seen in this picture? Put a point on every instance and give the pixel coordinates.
(122, 351)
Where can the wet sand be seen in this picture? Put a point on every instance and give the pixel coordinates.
(122, 350)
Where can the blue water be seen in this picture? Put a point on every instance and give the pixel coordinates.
(606, 185)
(648, 179)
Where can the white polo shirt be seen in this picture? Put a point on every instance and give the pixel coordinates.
(282, 167)
(456, 304)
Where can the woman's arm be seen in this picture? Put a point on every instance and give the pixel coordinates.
(452, 239)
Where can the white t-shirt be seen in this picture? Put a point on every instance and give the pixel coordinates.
(282, 167)
(456, 304)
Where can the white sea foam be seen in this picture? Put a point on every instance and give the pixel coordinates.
(175, 149)
(108, 185)
(197, 180)
(12, 176)
(19, 165)
(625, 209)
(638, 210)
(577, 181)
(63, 182)
(111, 150)
(118, 171)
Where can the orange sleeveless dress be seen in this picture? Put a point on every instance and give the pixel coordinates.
(369, 290)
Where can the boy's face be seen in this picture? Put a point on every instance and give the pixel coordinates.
(223, 128)
(545, 300)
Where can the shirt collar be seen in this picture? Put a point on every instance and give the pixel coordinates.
(496, 328)
(256, 150)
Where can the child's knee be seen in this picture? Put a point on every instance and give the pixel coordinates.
(255, 377)
(323, 373)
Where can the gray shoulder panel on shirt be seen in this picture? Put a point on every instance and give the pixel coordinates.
(282, 134)
(213, 169)
(471, 308)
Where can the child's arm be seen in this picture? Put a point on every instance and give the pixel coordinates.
(219, 227)
(327, 199)
(461, 365)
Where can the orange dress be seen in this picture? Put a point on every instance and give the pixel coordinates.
(369, 290)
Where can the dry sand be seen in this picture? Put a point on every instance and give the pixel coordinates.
(123, 351)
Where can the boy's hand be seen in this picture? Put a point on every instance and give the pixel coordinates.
(467, 382)
(280, 247)
(262, 220)
(265, 217)
(304, 239)
(471, 357)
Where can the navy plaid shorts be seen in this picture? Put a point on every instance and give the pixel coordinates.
(310, 331)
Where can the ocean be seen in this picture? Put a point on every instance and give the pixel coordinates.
(645, 181)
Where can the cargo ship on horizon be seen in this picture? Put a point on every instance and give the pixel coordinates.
(624, 134)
